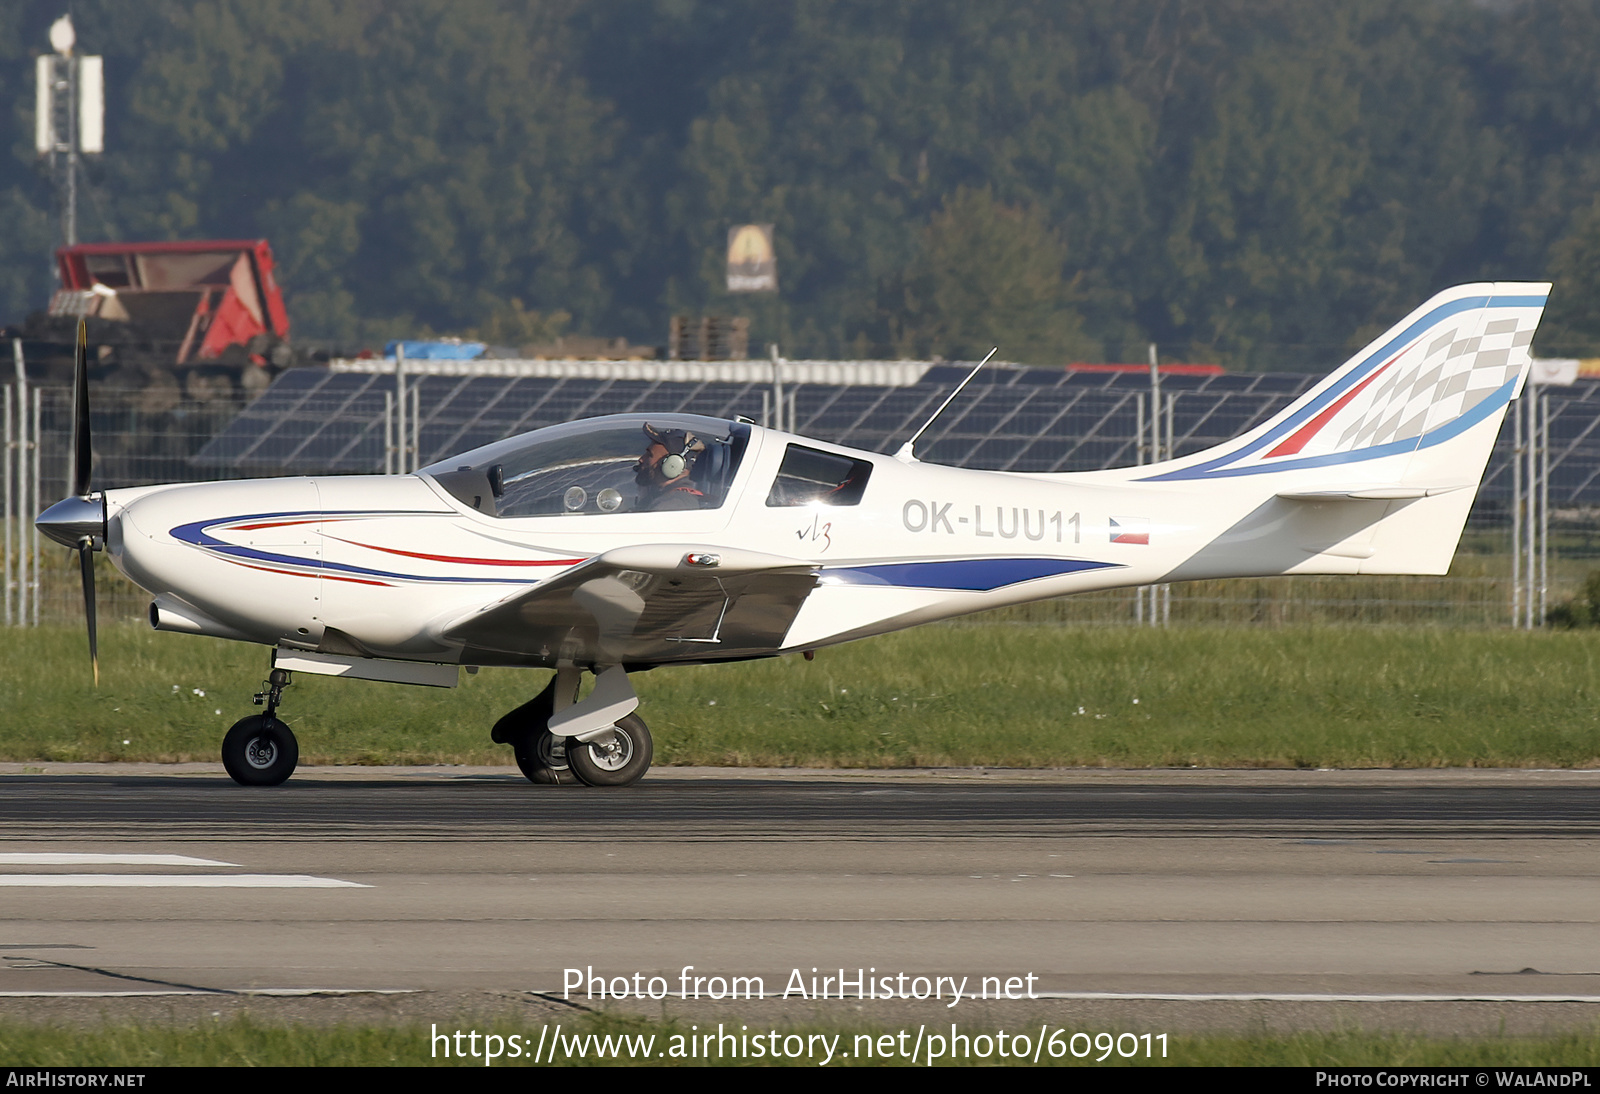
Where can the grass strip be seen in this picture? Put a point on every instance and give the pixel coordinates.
(990, 694)
(614, 1040)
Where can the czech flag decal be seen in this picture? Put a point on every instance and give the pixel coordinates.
(1130, 530)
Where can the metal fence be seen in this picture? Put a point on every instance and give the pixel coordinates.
(143, 437)
(139, 437)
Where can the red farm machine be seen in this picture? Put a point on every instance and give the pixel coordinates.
(206, 317)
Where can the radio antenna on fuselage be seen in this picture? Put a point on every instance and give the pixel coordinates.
(905, 454)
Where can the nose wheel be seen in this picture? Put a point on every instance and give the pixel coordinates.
(261, 750)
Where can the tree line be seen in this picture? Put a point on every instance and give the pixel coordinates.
(1259, 183)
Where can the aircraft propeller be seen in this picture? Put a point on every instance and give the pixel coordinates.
(79, 521)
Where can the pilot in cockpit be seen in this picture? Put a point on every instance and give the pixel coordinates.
(663, 470)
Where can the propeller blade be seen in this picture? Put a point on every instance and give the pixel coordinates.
(86, 565)
(78, 519)
(82, 454)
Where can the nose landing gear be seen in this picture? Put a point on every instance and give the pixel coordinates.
(261, 750)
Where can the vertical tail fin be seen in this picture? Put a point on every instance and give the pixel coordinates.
(1432, 379)
(1375, 469)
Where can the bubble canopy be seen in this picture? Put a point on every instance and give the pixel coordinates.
(591, 467)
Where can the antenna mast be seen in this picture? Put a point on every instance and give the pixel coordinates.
(906, 455)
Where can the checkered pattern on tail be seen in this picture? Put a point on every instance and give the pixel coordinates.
(1440, 378)
(1450, 365)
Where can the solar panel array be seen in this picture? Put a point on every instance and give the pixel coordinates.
(315, 422)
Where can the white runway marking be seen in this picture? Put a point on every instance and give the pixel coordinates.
(198, 991)
(179, 881)
(1293, 997)
(1244, 997)
(51, 858)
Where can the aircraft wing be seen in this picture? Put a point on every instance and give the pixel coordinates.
(644, 604)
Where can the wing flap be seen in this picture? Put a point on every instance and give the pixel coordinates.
(643, 604)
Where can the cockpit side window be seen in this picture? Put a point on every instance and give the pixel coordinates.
(808, 476)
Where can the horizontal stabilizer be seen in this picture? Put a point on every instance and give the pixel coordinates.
(1371, 493)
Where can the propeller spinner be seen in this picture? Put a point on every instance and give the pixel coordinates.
(79, 521)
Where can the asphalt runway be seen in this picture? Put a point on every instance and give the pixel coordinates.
(1445, 901)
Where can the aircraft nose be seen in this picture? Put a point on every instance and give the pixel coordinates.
(69, 520)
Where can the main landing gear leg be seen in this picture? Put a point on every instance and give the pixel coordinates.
(599, 741)
(260, 750)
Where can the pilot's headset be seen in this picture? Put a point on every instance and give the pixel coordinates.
(676, 463)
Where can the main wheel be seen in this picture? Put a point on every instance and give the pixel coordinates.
(618, 759)
(260, 751)
(542, 757)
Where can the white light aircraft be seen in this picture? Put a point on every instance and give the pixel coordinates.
(617, 544)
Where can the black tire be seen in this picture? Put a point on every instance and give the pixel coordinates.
(620, 761)
(260, 751)
(542, 757)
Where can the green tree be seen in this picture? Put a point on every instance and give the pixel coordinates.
(1248, 181)
(845, 124)
(513, 325)
(987, 275)
(1571, 325)
(418, 166)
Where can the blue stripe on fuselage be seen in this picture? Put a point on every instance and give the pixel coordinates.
(966, 574)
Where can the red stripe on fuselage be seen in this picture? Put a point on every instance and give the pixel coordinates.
(296, 573)
(464, 560)
(272, 524)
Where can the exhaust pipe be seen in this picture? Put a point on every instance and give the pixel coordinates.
(169, 614)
